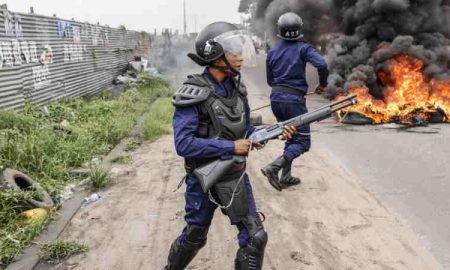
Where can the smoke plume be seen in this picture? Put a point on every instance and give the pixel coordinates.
(364, 34)
(315, 15)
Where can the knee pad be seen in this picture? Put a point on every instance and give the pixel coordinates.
(258, 236)
(259, 240)
(196, 236)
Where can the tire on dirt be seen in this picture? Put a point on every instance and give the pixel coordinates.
(17, 180)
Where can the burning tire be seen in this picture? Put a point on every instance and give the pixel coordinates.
(436, 117)
(17, 180)
(354, 118)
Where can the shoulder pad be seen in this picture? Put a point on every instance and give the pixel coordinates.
(198, 79)
(193, 91)
(242, 89)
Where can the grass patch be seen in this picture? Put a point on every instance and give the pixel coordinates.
(59, 250)
(47, 142)
(157, 121)
(100, 178)
(122, 159)
(132, 144)
(14, 233)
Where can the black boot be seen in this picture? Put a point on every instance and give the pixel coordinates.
(287, 179)
(181, 254)
(271, 171)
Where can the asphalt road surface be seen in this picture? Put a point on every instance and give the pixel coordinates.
(408, 169)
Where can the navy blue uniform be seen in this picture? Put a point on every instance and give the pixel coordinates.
(199, 209)
(286, 66)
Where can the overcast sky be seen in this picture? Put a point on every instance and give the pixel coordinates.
(141, 15)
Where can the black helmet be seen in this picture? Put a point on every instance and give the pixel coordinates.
(216, 39)
(290, 26)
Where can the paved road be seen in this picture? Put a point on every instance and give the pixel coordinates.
(408, 169)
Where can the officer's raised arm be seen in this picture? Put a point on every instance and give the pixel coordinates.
(319, 63)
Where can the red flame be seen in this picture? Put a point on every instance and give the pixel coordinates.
(406, 94)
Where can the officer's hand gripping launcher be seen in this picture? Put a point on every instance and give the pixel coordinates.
(211, 173)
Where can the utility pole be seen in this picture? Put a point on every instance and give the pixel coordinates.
(196, 24)
(184, 12)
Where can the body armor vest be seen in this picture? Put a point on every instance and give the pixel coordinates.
(222, 118)
(219, 117)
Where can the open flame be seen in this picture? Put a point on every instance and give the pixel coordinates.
(407, 94)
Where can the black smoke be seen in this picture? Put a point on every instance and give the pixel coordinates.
(317, 19)
(363, 34)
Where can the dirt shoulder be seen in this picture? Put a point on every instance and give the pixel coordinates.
(330, 221)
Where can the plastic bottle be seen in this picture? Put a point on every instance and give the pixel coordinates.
(92, 198)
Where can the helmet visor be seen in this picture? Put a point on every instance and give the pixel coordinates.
(239, 45)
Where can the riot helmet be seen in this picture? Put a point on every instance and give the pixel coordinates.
(290, 26)
(220, 39)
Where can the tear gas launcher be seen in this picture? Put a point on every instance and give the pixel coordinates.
(276, 131)
(212, 172)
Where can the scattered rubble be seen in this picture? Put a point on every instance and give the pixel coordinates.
(92, 198)
(135, 70)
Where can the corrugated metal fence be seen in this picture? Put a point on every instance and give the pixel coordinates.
(47, 58)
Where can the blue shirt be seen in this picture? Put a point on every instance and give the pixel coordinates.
(185, 125)
(286, 66)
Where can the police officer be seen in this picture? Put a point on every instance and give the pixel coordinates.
(212, 121)
(286, 64)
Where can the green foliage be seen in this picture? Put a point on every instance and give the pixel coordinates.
(12, 202)
(100, 178)
(59, 250)
(47, 142)
(11, 120)
(156, 122)
(132, 144)
(15, 234)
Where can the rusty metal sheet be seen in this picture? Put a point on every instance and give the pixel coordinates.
(43, 58)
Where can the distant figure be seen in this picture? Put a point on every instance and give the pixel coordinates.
(286, 65)
(167, 41)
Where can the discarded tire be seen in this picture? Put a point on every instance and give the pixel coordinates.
(354, 118)
(436, 117)
(17, 180)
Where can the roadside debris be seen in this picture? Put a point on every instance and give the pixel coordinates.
(34, 215)
(96, 161)
(13, 179)
(92, 198)
(134, 71)
(66, 193)
(153, 72)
